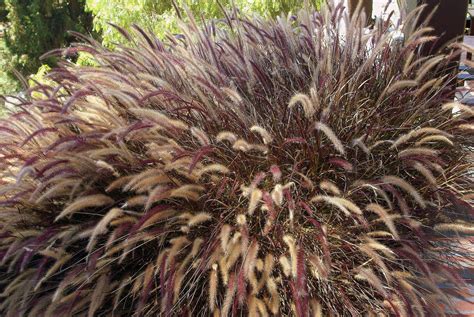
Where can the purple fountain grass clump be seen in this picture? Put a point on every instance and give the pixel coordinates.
(294, 167)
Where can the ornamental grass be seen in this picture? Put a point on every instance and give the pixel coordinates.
(302, 166)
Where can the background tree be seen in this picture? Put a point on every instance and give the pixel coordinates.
(7, 84)
(37, 26)
(366, 7)
(30, 28)
(3, 11)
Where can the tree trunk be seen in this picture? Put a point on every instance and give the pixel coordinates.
(448, 20)
(406, 6)
(366, 7)
(75, 9)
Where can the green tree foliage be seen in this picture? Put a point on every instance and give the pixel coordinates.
(3, 11)
(7, 83)
(160, 16)
(32, 28)
(37, 26)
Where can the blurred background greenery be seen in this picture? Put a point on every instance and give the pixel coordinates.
(30, 28)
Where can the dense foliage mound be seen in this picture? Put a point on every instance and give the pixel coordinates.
(294, 167)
